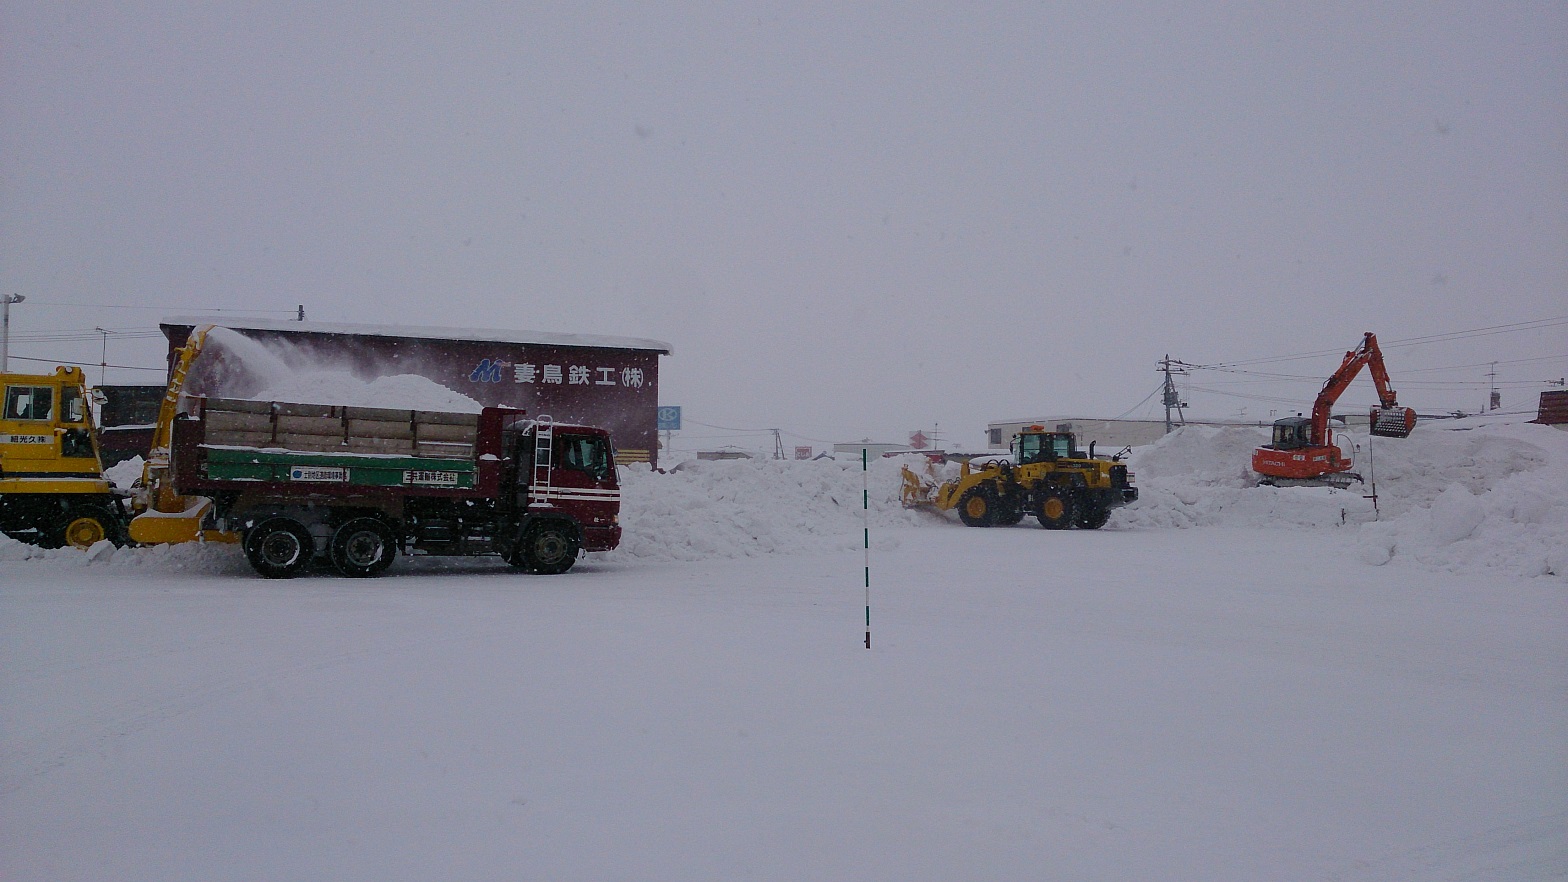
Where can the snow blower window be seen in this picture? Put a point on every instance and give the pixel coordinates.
(29, 402)
(71, 405)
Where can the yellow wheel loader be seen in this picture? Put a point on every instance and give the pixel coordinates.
(1047, 476)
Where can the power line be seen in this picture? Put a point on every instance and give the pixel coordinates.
(85, 336)
(83, 364)
(1157, 390)
(1532, 325)
(195, 309)
(1486, 364)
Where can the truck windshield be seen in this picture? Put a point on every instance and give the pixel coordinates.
(586, 453)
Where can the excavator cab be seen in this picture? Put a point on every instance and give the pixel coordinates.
(1292, 433)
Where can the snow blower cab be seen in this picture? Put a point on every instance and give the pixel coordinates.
(53, 491)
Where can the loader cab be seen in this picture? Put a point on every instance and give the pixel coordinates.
(1292, 433)
(1033, 447)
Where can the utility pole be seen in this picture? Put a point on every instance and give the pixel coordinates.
(5, 328)
(1171, 399)
(103, 358)
(1494, 400)
(301, 313)
(778, 444)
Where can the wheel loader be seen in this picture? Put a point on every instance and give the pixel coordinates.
(1047, 476)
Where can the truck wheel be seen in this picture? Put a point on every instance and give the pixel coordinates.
(279, 548)
(363, 547)
(1093, 517)
(1055, 510)
(83, 526)
(977, 507)
(548, 548)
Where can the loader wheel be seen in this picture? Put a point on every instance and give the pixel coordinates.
(1093, 517)
(363, 547)
(279, 548)
(977, 507)
(548, 548)
(83, 526)
(1009, 510)
(1056, 510)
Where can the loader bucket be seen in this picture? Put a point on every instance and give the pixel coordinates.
(1393, 422)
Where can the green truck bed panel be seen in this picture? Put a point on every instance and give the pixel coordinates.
(365, 470)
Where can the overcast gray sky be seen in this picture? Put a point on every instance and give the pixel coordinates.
(849, 220)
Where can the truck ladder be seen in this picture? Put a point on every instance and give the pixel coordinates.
(544, 457)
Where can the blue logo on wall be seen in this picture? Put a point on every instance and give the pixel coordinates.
(488, 371)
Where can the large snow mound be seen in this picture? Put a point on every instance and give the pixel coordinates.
(743, 508)
(1463, 496)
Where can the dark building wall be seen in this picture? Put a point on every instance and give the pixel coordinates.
(130, 405)
(1553, 409)
(616, 388)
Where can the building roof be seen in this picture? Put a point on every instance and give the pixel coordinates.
(411, 332)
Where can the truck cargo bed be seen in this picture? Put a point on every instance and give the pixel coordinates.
(323, 428)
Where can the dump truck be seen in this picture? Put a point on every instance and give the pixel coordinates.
(53, 491)
(1047, 475)
(354, 486)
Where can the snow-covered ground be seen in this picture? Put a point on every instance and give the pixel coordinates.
(1227, 682)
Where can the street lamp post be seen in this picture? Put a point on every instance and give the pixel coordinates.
(5, 328)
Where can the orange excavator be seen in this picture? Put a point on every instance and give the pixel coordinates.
(1302, 453)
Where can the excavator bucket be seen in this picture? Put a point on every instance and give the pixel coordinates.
(1393, 422)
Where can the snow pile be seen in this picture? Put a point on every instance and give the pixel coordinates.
(745, 508)
(124, 474)
(400, 392)
(1202, 476)
(196, 557)
(1479, 499)
(1464, 496)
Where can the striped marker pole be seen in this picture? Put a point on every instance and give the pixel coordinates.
(865, 519)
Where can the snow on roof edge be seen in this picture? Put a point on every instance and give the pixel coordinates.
(474, 335)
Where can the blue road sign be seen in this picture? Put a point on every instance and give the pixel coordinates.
(670, 418)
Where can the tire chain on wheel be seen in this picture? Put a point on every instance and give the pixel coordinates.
(355, 530)
(982, 497)
(1044, 507)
